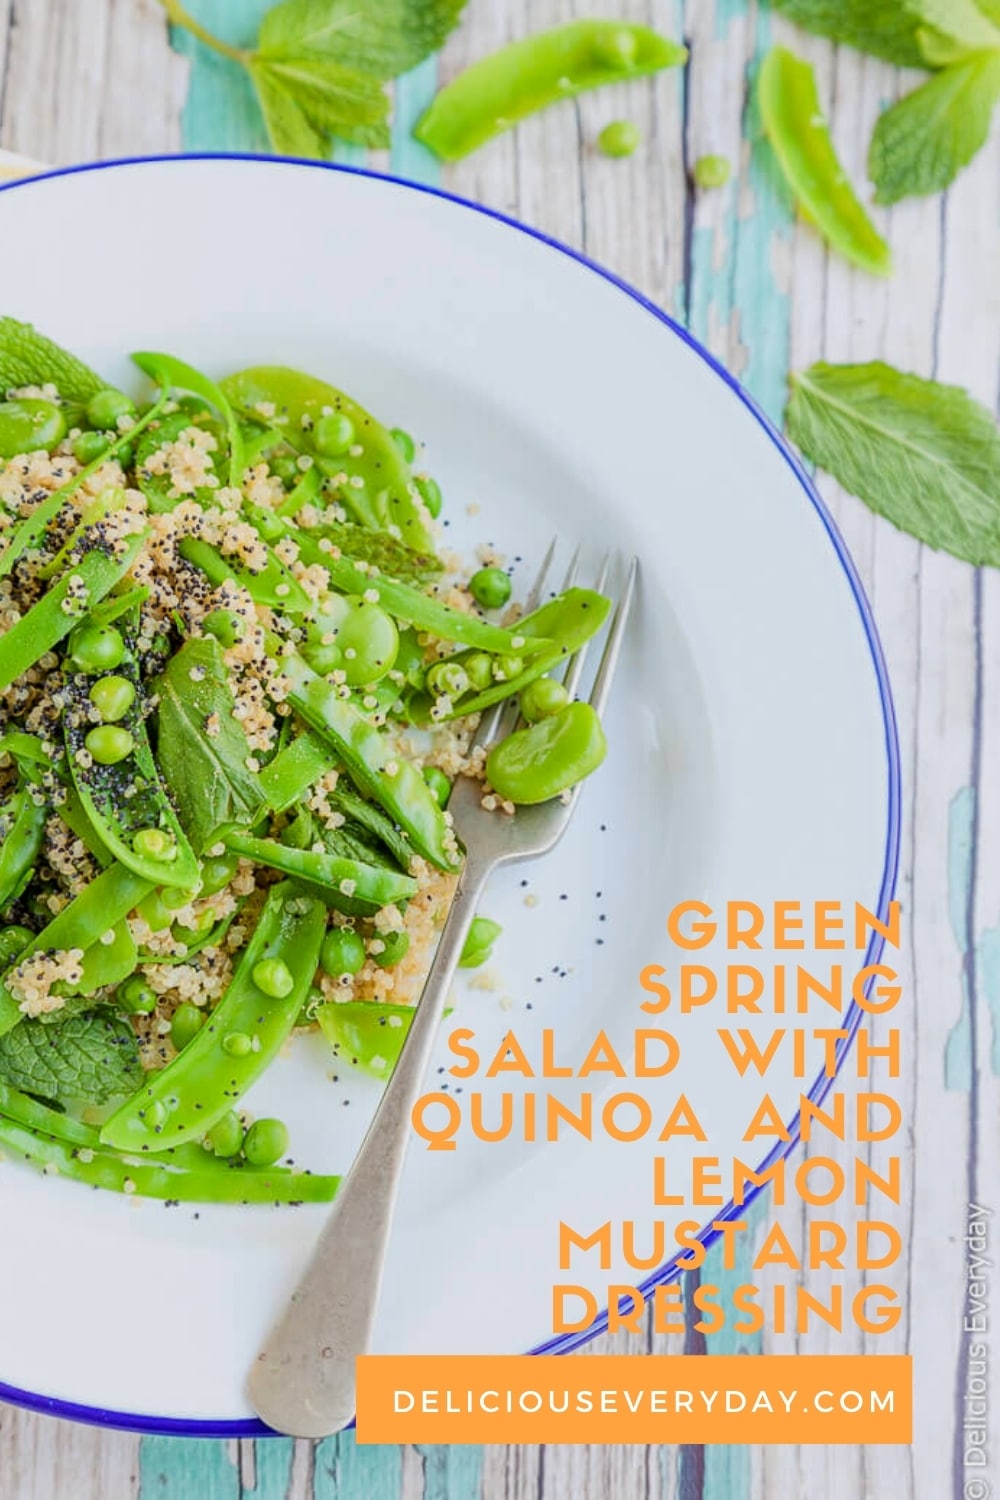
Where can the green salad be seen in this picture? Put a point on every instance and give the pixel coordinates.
(238, 676)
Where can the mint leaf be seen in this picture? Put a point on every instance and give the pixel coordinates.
(923, 142)
(205, 773)
(990, 9)
(924, 455)
(961, 21)
(27, 357)
(382, 40)
(885, 28)
(88, 1058)
(334, 99)
(288, 128)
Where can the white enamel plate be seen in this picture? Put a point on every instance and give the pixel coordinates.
(752, 746)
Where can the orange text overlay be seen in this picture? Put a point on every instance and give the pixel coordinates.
(714, 1398)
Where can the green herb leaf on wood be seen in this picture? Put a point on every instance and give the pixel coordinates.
(923, 142)
(382, 40)
(885, 28)
(87, 1058)
(206, 774)
(924, 455)
(288, 127)
(959, 21)
(335, 100)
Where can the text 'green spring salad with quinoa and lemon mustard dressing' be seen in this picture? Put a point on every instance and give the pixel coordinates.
(237, 681)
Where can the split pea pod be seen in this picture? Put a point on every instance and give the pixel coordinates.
(212, 1183)
(371, 762)
(501, 89)
(273, 585)
(187, 1097)
(58, 610)
(330, 427)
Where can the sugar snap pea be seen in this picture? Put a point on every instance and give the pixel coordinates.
(22, 845)
(793, 120)
(501, 89)
(170, 372)
(205, 1080)
(371, 762)
(127, 798)
(347, 884)
(273, 585)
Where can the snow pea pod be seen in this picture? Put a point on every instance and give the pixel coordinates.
(368, 1034)
(273, 585)
(47, 622)
(287, 778)
(378, 485)
(794, 123)
(564, 624)
(205, 1080)
(80, 924)
(107, 963)
(215, 1182)
(170, 372)
(501, 89)
(22, 846)
(535, 764)
(157, 487)
(128, 797)
(400, 600)
(349, 885)
(76, 819)
(370, 761)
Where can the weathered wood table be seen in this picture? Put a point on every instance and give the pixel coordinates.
(85, 79)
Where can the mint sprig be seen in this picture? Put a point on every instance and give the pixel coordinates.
(87, 1058)
(320, 67)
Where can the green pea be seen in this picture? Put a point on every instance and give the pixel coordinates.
(90, 445)
(478, 945)
(508, 667)
(96, 648)
(333, 434)
(237, 1044)
(226, 1136)
(712, 171)
(620, 138)
(185, 1025)
(136, 996)
(29, 423)
(618, 48)
(531, 765)
(285, 467)
(174, 898)
(108, 744)
(479, 670)
(541, 698)
(155, 843)
(448, 679)
(228, 628)
(343, 952)
(396, 945)
(112, 697)
(274, 977)
(154, 912)
(265, 1143)
(105, 407)
(13, 941)
(216, 872)
(490, 587)
(404, 443)
(438, 783)
(430, 493)
(125, 455)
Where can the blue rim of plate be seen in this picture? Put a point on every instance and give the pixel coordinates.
(251, 1427)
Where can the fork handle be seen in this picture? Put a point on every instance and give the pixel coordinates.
(303, 1380)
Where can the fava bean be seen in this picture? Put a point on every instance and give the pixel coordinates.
(532, 765)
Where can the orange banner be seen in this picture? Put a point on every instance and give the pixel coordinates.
(714, 1398)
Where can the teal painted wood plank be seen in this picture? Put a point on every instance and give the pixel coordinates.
(452, 1473)
(343, 1471)
(413, 93)
(221, 112)
(187, 1469)
(273, 1460)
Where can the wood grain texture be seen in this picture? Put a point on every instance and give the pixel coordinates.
(90, 78)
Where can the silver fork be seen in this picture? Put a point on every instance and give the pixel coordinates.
(303, 1380)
